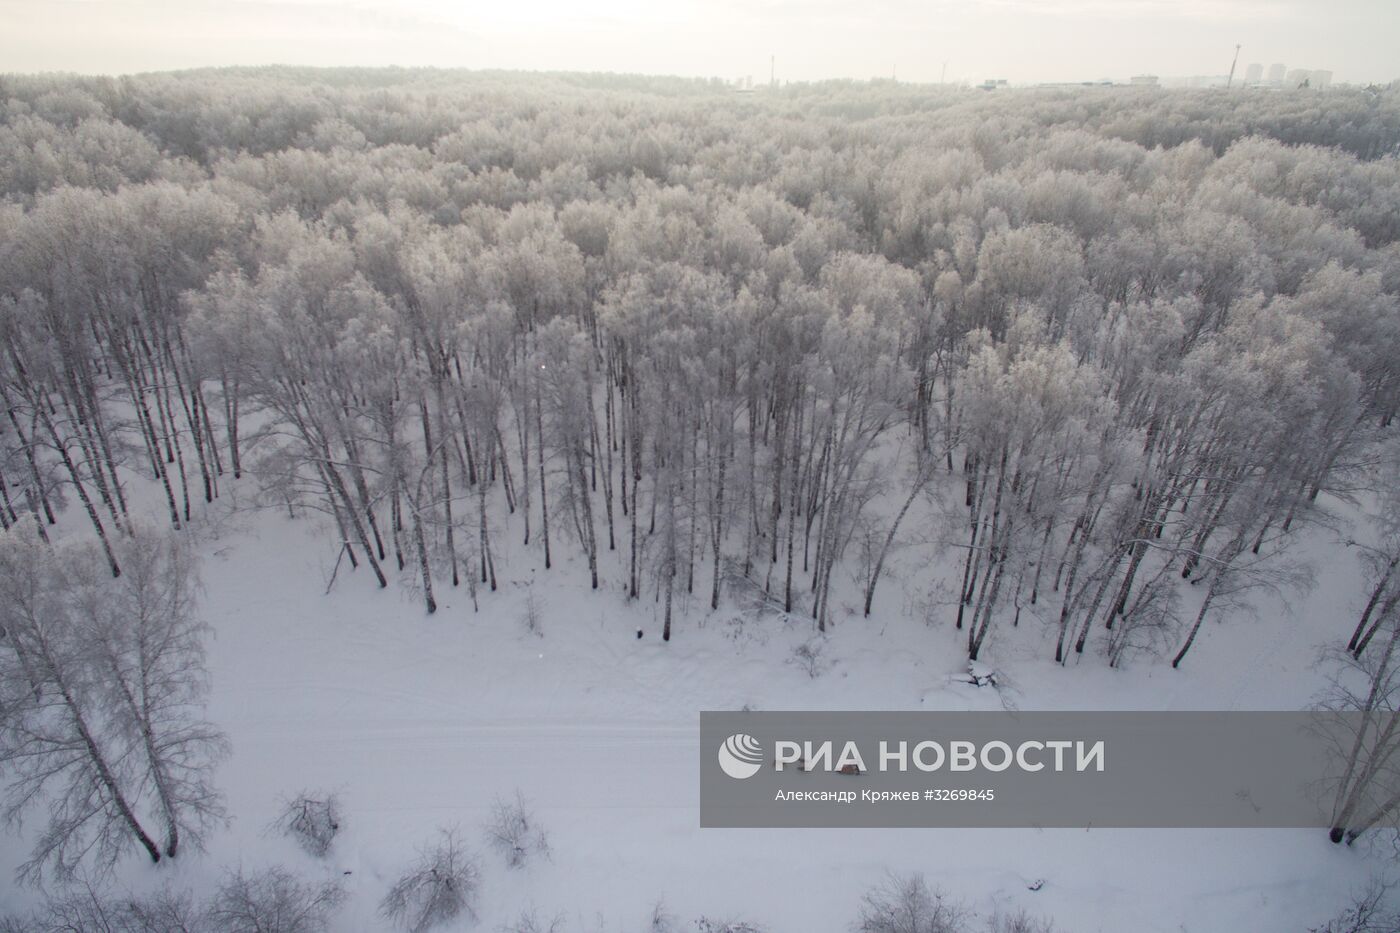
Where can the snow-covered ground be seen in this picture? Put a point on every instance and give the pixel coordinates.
(422, 721)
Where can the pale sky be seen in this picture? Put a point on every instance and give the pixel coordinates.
(1020, 40)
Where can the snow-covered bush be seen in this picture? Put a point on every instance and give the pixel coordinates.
(706, 925)
(1018, 922)
(906, 904)
(167, 911)
(662, 920)
(514, 833)
(1374, 910)
(980, 675)
(312, 819)
(273, 901)
(810, 657)
(532, 617)
(530, 922)
(439, 887)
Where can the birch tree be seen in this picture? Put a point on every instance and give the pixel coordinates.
(103, 686)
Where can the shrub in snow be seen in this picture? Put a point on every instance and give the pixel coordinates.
(661, 919)
(165, 912)
(312, 820)
(273, 901)
(980, 675)
(1019, 922)
(810, 657)
(530, 922)
(514, 833)
(439, 887)
(532, 617)
(906, 904)
(1373, 911)
(706, 925)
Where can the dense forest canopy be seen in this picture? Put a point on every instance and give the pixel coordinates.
(1096, 340)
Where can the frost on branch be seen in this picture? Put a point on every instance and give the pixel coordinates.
(312, 819)
(440, 886)
(514, 833)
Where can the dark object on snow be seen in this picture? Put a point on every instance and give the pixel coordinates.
(639, 634)
(1036, 885)
(979, 675)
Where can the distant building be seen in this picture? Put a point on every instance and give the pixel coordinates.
(992, 84)
(1254, 74)
(1276, 72)
(1296, 77)
(1143, 80)
(1321, 79)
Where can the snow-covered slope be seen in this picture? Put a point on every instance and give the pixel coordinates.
(421, 722)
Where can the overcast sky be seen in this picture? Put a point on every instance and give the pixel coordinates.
(1020, 40)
